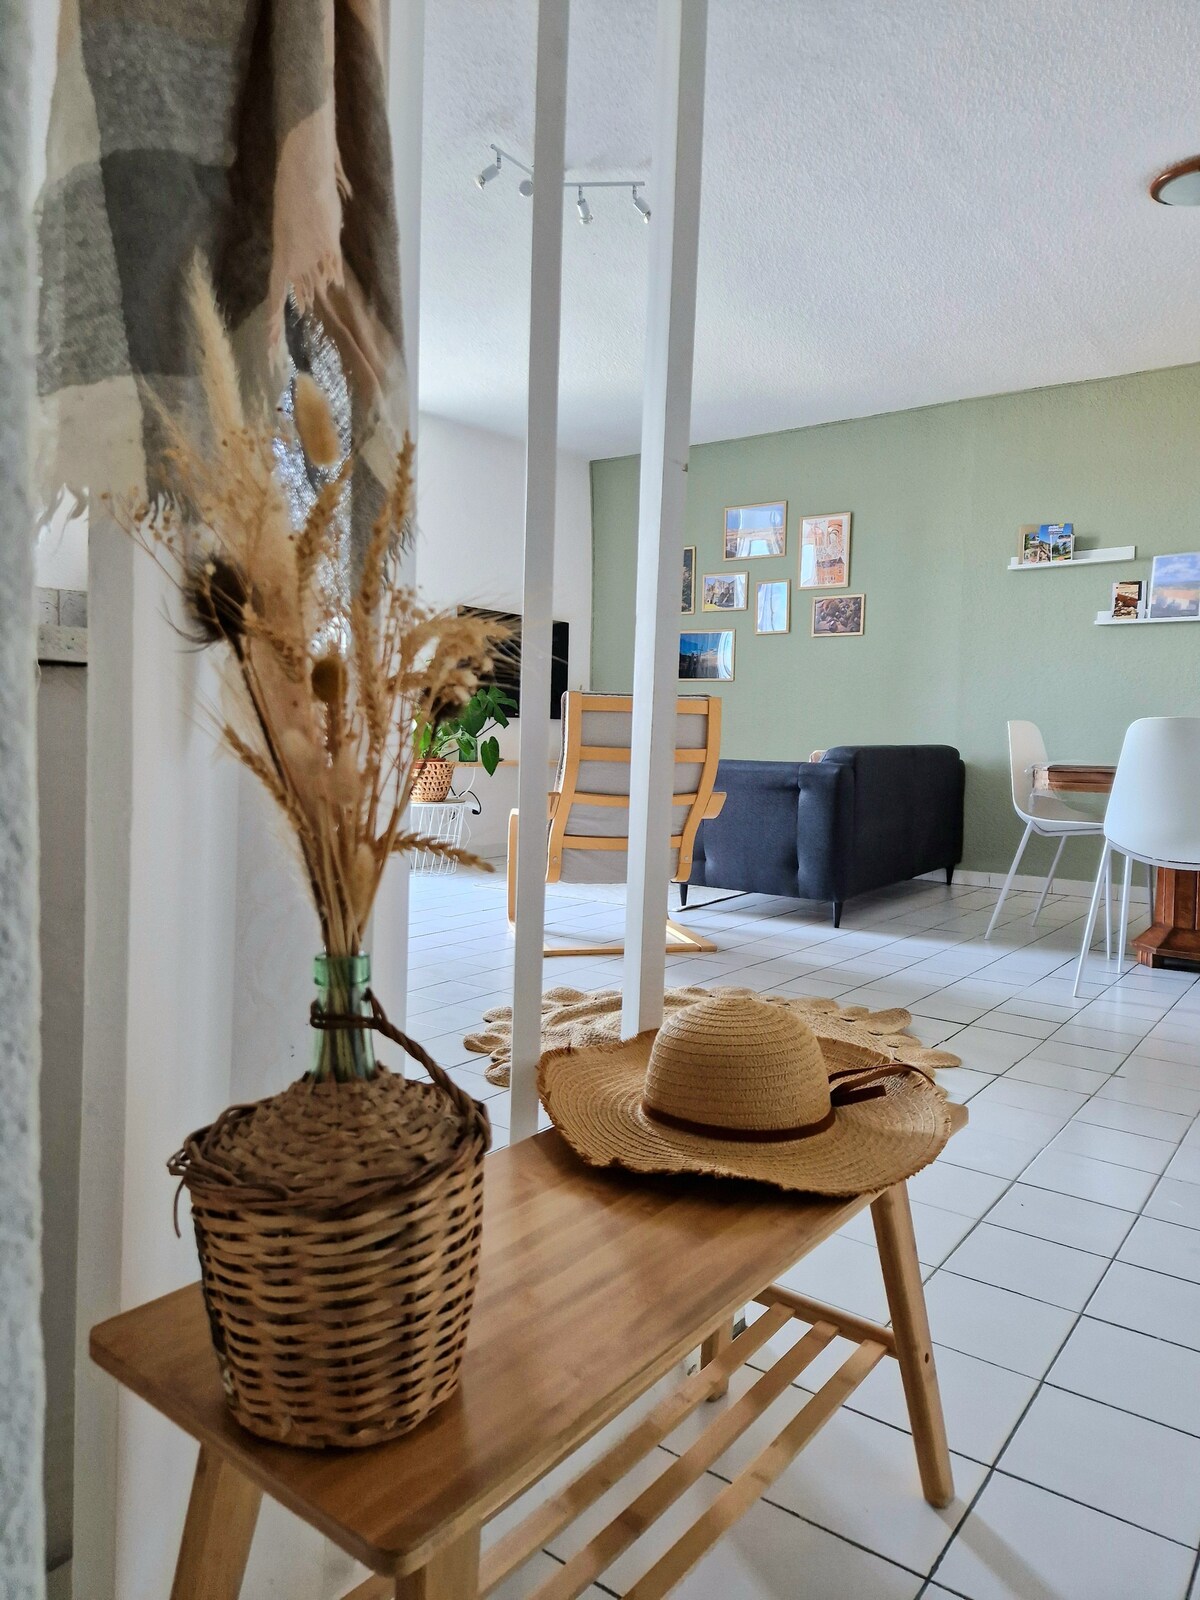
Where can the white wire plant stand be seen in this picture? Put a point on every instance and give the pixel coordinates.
(447, 822)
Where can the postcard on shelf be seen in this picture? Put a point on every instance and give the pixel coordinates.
(1175, 587)
(1127, 600)
(1046, 541)
(724, 591)
(772, 607)
(825, 551)
(687, 595)
(707, 656)
(836, 614)
(755, 531)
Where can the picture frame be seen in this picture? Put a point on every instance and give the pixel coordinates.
(1174, 587)
(687, 591)
(773, 606)
(840, 615)
(724, 591)
(706, 657)
(757, 532)
(1127, 599)
(825, 551)
(1046, 541)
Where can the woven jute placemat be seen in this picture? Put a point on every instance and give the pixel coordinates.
(574, 1017)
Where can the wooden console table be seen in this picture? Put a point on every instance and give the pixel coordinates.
(1174, 934)
(593, 1285)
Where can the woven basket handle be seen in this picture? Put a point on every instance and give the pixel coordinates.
(378, 1022)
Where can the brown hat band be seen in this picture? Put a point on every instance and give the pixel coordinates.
(716, 1130)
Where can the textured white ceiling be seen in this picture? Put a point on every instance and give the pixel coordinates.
(905, 201)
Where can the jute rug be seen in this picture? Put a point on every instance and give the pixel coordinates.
(575, 1017)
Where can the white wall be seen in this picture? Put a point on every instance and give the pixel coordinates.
(470, 540)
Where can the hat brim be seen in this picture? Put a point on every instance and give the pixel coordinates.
(593, 1096)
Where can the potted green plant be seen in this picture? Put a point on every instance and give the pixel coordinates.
(461, 736)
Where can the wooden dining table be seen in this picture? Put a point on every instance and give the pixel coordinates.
(1173, 937)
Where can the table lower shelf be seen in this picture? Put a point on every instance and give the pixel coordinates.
(721, 1358)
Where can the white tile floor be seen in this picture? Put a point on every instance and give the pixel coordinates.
(1059, 1234)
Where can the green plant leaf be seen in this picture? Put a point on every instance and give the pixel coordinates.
(489, 755)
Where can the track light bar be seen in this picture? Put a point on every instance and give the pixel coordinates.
(586, 215)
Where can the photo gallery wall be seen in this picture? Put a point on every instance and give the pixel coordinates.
(756, 533)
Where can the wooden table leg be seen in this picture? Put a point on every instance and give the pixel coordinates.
(453, 1574)
(221, 1515)
(720, 1339)
(914, 1347)
(1174, 934)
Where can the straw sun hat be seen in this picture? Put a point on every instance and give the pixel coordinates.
(739, 1088)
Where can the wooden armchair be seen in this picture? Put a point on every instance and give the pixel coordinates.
(588, 835)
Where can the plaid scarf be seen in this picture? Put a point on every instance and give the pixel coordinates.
(254, 132)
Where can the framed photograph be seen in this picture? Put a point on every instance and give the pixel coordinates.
(1046, 541)
(825, 551)
(724, 591)
(1175, 586)
(773, 607)
(841, 613)
(1127, 599)
(706, 657)
(687, 593)
(755, 531)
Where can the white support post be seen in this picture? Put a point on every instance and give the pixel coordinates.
(666, 423)
(537, 604)
(404, 35)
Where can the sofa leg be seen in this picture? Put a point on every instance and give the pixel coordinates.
(949, 876)
(683, 889)
(837, 913)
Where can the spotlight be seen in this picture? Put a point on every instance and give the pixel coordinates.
(525, 187)
(641, 204)
(585, 210)
(489, 173)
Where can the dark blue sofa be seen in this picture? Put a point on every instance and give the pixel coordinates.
(859, 819)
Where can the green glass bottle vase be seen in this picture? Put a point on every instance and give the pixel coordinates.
(343, 1053)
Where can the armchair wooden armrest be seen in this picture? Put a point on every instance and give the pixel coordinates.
(716, 804)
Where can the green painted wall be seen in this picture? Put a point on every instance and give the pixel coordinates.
(954, 643)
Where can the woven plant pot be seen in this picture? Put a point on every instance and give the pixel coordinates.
(432, 780)
(338, 1228)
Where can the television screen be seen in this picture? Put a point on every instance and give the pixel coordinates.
(507, 672)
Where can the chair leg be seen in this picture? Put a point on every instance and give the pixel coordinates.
(1108, 908)
(1089, 927)
(683, 889)
(1012, 872)
(949, 876)
(1127, 880)
(836, 907)
(512, 868)
(1049, 883)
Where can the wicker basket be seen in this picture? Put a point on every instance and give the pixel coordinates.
(432, 780)
(338, 1227)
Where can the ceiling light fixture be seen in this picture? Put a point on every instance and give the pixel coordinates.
(586, 215)
(1178, 185)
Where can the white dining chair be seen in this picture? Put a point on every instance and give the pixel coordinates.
(1153, 812)
(1044, 815)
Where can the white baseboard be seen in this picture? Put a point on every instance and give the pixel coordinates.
(1031, 882)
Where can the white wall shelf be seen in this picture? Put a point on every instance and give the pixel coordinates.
(1103, 620)
(1081, 558)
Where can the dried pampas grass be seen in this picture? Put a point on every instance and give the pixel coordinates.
(326, 682)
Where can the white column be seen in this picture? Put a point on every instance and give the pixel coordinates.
(666, 422)
(405, 43)
(537, 604)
